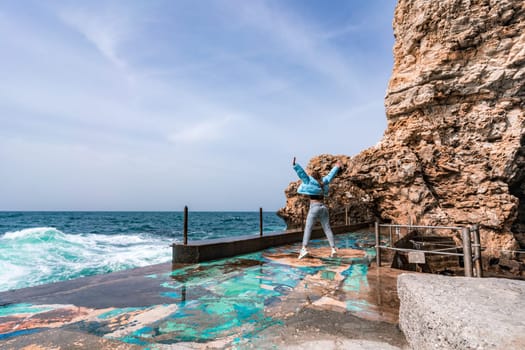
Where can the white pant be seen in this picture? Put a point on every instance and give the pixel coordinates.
(318, 211)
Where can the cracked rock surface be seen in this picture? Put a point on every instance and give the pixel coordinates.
(453, 152)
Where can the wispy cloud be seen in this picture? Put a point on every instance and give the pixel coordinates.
(106, 30)
(345, 30)
(203, 131)
(104, 33)
(299, 38)
(210, 85)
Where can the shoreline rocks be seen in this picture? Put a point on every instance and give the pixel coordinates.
(453, 152)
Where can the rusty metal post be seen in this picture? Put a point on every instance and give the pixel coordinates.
(186, 225)
(378, 250)
(260, 222)
(183, 294)
(477, 252)
(467, 251)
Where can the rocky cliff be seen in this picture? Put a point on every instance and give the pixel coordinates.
(453, 152)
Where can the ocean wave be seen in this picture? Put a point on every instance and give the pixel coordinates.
(45, 254)
(37, 233)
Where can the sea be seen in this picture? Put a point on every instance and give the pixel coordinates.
(45, 247)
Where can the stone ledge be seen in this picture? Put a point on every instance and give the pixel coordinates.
(440, 312)
(212, 249)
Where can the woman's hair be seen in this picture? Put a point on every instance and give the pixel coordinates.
(317, 176)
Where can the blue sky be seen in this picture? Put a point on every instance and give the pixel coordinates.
(154, 105)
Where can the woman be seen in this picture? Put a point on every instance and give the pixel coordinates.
(316, 188)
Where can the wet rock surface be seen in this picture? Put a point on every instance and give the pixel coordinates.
(326, 321)
(259, 300)
(58, 339)
(311, 328)
(439, 312)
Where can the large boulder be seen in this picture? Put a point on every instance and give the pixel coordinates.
(440, 312)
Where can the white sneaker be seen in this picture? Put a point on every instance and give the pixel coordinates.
(303, 253)
(333, 253)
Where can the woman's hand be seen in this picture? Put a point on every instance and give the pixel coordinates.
(338, 164)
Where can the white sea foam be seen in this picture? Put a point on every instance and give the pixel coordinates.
(44, 254)
(11, 272)
(29, 232)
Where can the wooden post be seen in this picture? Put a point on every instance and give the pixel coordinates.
(467, 251)
(186, 225)
(477, 252)
(378, 250)
(260, 222)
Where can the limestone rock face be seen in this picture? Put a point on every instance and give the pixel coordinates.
(453, 152)
(348, 203)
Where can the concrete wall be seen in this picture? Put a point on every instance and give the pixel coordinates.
(212, 249)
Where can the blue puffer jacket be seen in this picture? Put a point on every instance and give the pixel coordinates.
(310, 186)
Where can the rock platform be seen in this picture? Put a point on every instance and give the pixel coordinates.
(262, 300)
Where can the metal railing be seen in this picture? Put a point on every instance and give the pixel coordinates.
(470, 243)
